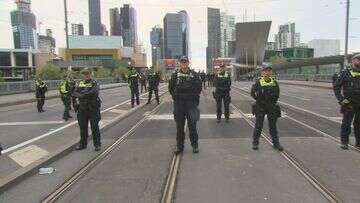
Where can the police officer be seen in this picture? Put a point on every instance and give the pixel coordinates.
(154, 80)
(222, 83)
(185, 88)
(266, 92)
(142, 82)
(88, 109)
(133, 80)
(41, 89)
(65, 94)
(349, 82)
(203, 78)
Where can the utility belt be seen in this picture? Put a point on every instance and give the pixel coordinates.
(90, 104)
(266, 108)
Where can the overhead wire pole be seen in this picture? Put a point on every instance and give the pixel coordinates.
(66, 25)
(347, 32)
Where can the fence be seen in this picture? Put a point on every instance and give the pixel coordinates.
(299, 77)
(29, 86)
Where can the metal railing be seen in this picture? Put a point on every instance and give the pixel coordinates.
(29, 86)
(299, 77)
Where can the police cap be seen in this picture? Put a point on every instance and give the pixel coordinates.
(356, 56)
(86, 71)
(184, 59)
(267, 67)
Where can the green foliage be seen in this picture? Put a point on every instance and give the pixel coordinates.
(49, 72)
(277, 59)
(2, 79)
(121, 71)
(102, 73)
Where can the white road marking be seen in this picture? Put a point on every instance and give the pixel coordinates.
(56, 130)
(118, 111)
(202, 116)
(31, 123)
(28, 155)
(296, 97)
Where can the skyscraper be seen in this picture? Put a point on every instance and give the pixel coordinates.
(287, 37)
(128, 25)
(214, 39)
(47, 42)
(176, 35)
(157, 44)
(23, 23)
(95, 26)
(227, 30)
(115, 22)
(77, 29)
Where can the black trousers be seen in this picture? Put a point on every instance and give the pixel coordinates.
(84, 117)
(350, 116)
(226, 99)
(135, 95)
(40, 103)
(204, 84)
(66, 99)
(272, 119)
(186, 110)
(156, 92)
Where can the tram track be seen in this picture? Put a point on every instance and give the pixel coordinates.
(76, 177)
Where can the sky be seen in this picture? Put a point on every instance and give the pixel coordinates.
(315, 19)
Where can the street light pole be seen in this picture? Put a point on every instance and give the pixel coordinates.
(66, 25)
(347, 32)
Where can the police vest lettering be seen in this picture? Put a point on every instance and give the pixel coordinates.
(263, 83)
(84, 85)
(184, 75)
(134, 75)
(226, 75)
(63, 87)
(41, 85)
(355, 74)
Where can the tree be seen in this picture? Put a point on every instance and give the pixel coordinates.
(49, 72)
(121, 71)
(2, 79)
(102, 73)
(277, 59)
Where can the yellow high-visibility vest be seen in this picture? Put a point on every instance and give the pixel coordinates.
(84, 85)
(263, 83)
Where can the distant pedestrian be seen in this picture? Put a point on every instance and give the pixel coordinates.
(203, 79)
(41, 89)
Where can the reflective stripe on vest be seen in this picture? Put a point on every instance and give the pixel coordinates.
(263, 83)
(83, 84)
(226, 75)
(37, 83)
(189, 75)
(63, 87)
(355, 74)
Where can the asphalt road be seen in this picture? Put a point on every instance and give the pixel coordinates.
(226, 169)
(22, 122)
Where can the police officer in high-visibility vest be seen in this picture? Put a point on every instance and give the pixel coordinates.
(41, 89)
(347, 92)
(222, 84)
(185, 88)
(154, 80)
(133, 80)
(266, 92)
(88, 109)
(65, 94)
